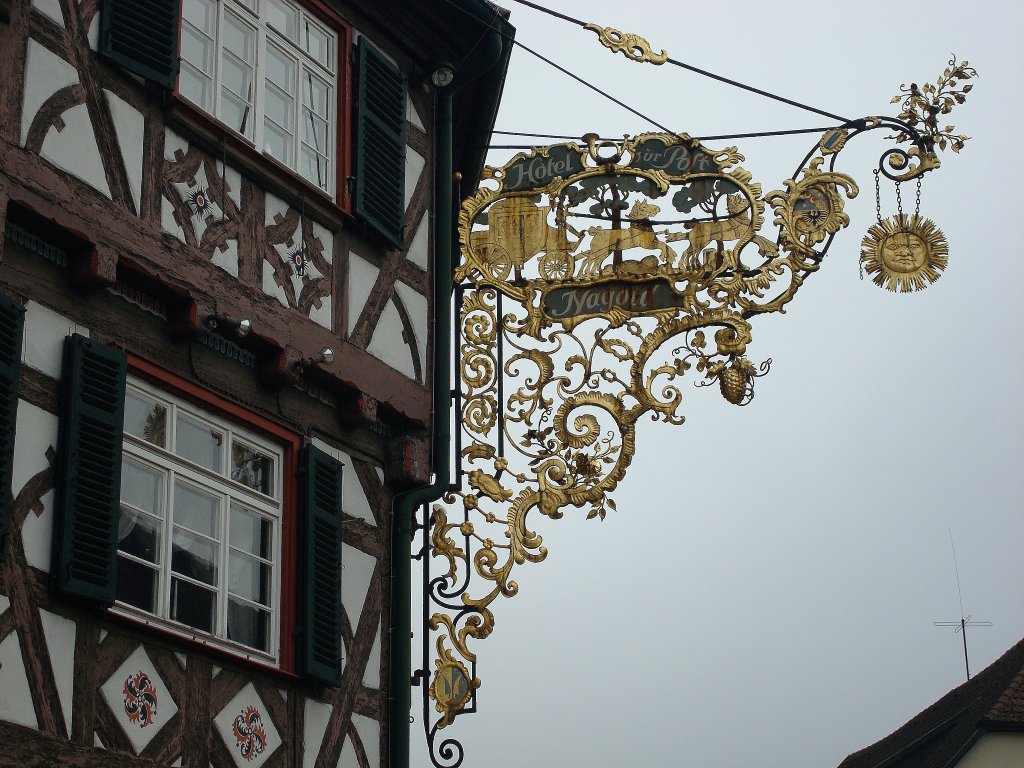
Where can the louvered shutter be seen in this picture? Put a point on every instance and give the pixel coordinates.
(89, 469)
(142, 37)
(320, 567)
(380, 143)
(12, 317)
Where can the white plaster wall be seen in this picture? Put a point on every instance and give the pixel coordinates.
(50, 8)
(419, 248)
(172, 143)
(43, 344)
(371, 675)
(412, 114)
(74, 149)
(362, 276)
(414, 164)
(996, 750)
(276, 206)
(314, 728)
(234, 182)
(353, 498)
(227, 259)
(60, 639)
(129, 125)
(16, 702)
(213, 211)
(94, 33)
(270, 286)
(416, 306)
(348, 756)
(45, 74)
(36, 431)
(387, 343)
(323, 315)
(369, 734)
(356, 574)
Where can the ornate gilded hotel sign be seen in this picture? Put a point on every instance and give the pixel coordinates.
(596, 277)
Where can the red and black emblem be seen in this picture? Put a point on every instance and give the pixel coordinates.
(249, 733)
(199, 201)
(140, 699)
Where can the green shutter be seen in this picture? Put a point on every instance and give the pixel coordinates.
(89, 469)
(142, 37)
(12, 316)
(320, 567)
(380, 143)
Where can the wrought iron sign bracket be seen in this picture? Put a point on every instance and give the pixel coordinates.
(595, 278)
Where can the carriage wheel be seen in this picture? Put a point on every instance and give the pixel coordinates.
(557, 265)
(497, 259)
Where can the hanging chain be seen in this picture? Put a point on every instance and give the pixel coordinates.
(917, 202)
(878, 199)
(899, 200)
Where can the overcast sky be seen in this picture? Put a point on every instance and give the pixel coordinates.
(765, 594)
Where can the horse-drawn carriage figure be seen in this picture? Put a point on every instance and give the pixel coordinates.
(517, 231)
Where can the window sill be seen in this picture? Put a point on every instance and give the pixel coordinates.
(219, 141)
(192, 644)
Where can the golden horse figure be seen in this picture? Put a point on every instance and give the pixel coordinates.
(639, 234)
(740, 224)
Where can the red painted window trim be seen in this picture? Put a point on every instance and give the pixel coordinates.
(291, 444)
(343, 148)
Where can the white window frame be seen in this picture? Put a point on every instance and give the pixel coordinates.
(253, 14)
(172, 468)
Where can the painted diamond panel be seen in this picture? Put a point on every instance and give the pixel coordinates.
(247, 730)
(139, 699)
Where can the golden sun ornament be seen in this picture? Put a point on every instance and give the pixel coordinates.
(904, 253)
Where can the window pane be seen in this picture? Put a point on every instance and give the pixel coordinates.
(315, 132)
(195, 86)
(199, 13)
(197, 510)
(316, 95)
(280, 108)
(199, 443)
(136, 585)
(142, 486)
(280, 69)
(236, 76)
(236, 113)
(317, 43)
(252, 468)
(248, 625)
(193, 605)
(145, 418)
(314, 167)
(278, 143)
(282, 17)
(197, 49)
(251, 533)
(249, 578)
(239, 38)
(139, 534)
(194, 557)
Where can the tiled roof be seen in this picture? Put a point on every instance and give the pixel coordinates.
(991, 700)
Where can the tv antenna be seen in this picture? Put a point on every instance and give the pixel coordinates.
(964, 623)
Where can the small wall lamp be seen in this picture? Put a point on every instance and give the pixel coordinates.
(326, 357)
(223, 323)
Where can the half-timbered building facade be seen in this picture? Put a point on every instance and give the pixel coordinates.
(218, 314)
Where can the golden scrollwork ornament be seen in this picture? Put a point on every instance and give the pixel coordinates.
(904, 253)
(631, 45)
(452, 685)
